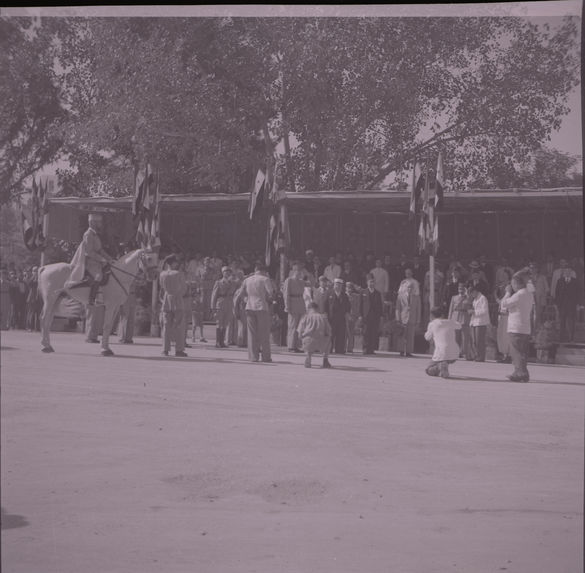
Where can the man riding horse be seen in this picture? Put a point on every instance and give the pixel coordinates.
(89, 259)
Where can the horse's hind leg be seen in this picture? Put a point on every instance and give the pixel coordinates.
(46, 321)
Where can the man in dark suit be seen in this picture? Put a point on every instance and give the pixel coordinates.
(566, 298)
(337, 308)
(371, 312)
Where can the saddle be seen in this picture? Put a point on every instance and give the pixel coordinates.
(88, 280)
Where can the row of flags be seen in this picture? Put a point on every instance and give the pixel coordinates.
(266, 193)
(32, 226)
(146, 207)
(426, 199)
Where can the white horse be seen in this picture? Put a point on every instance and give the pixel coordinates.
(52, 279)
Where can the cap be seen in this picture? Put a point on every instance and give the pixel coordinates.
(224, 269)
(474, 265)
(338, 281)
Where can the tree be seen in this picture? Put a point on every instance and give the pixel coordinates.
(347, 99)
(31, 115)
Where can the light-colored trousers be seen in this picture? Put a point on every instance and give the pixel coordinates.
(173, 329)
(258, 334)
(292, 338)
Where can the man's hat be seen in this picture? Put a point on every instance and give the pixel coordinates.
(339, 281)
(224, 269)
(474, 265)
(171, 259)
(95, 217)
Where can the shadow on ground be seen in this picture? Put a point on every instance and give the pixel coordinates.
(10, 521)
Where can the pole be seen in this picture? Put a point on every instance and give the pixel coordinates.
(282, 248)
(46, 235)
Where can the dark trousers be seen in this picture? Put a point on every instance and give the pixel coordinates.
(567, 324)
(478, 335)
(519, 346)
(338, 334)
(371, 335)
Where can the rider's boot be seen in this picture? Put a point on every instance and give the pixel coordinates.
(217, 337)
(222, 343)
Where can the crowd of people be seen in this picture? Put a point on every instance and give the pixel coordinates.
(365, 296)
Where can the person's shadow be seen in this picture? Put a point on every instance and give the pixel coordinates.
(10, 521)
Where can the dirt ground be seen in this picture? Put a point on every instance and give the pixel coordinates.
(210, 464)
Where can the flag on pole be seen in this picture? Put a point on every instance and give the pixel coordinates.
(257, 194)
(145, 207)
(415, 188)
(439, 182)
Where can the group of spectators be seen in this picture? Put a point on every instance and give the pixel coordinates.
(369, 296)
(372, 295)
(20, 304)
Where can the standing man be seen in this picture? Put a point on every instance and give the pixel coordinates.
(479, 321)
(258, 290)
(337, 308)
(294, 305)
(222, 304)
(371, 312)
(315, 334)
(518, 302)
(381, 279)
(174, 284)
(567, 296)
(354, 314)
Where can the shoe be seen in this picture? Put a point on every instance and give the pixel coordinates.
(409, 355)
(268, 360)
(202, 340)
(92, 340)
(514, 378)
(165, 352)
(296, 350)
(181, 354)
(127, 341)
(188, 346)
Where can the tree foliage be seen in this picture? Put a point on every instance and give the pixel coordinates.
(344, 101)
(31, 114)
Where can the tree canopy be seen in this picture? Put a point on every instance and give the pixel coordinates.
(343, 101)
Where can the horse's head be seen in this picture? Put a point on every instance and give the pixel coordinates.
(148, 263)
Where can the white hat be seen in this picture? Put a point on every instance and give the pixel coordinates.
(338, 281)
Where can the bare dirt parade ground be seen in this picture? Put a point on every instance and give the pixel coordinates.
(210, 464)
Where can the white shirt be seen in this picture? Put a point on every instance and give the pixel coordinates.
(519, 306)
(332, 271)
(381, 280)
(481, 312)
(442, 332)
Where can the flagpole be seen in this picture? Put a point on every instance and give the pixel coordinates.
(283, 262)
(45, 234)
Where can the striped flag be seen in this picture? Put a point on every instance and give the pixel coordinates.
(145, 207)
(257, 194)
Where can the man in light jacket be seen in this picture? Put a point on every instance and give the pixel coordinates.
(479, 321)
(518, 302)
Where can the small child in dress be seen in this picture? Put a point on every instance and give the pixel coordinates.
(315, 333)
(442, 332)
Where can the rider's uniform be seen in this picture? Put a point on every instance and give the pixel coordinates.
(89, 258)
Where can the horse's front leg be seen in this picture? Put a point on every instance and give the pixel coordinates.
(109, 314)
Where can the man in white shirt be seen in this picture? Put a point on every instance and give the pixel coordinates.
(332, 270)
(518, 302)
(479, 321)
(381, 279)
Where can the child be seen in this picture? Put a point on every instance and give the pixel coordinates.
(315, 334)
(442, 332)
